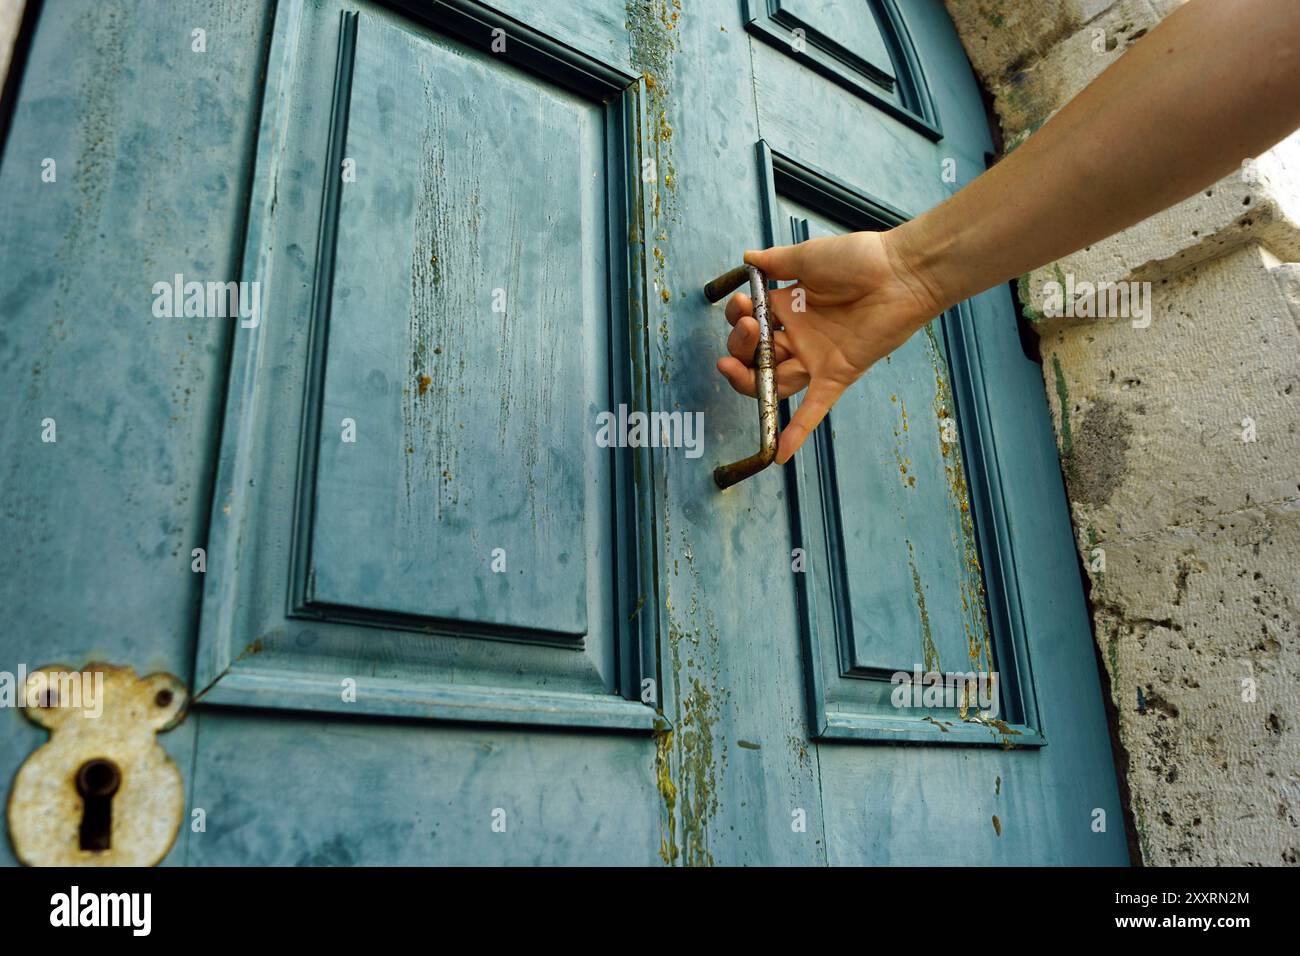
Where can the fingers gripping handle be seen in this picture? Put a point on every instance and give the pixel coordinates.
(764, 373)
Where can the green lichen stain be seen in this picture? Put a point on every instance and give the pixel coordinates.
(1059, 276)
(1018, 139)
(991, 14)
(929, 653)
(971, 583)
(1026, 299)
(653, 29)
(1140, 824)
(699, 801)
(1098, 577)
(668, 793)
(691, 761)
(1067, 437)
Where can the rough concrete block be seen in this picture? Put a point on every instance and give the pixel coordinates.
(1003, 35)
(1026, 97)
(1258, 204)
(1287, 275)
(1150, 422)
(1198, 631)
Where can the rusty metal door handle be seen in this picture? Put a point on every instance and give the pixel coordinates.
(764, 373)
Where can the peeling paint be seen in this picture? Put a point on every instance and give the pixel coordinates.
(445, 243)
(929, 652)
(904, 463)
(997, 727)
(653, 45)
(690, 759)
(1063, 400)
(973, 596)
(668, 793)
(694, 756)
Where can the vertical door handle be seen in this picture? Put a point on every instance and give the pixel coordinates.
(764, 373)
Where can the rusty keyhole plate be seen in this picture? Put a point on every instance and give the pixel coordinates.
(101, 791)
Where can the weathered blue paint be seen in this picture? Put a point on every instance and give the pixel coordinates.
(475, 442)
(473, 417)
(154, 147)
(649, 680)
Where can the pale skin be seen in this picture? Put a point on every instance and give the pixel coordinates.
(1214, 83)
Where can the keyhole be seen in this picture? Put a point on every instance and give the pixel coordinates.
(97, 781)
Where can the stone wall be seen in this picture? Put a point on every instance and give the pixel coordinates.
(1180, 448)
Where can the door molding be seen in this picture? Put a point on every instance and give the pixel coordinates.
(905, 95)
(261, 643)
(822, 595)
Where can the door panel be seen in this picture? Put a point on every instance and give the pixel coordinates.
(984, 527)
(440, 305)
(927, 556)
(473, 406)
(923, 531)
(863, 46)
(855, 34)
(294, 789)
(905, 590)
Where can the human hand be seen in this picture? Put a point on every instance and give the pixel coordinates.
(855, 301)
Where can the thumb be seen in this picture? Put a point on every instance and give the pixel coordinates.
(779, 262)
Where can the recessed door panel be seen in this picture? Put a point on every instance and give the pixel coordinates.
(895, 502)
(467, 336)
(909, 567)
(847, 23)
(862, 45)
(415, 517)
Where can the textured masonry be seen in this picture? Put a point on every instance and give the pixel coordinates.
(1189, 532)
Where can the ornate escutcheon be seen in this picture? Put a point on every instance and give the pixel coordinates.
(101, 791)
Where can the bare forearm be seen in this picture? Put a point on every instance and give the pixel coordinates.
(1215, 82)
(1218, 81)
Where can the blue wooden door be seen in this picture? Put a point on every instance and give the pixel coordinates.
(445, 617)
